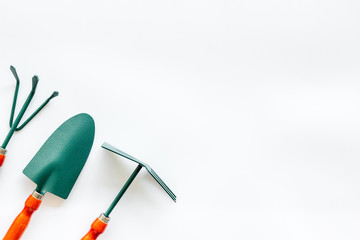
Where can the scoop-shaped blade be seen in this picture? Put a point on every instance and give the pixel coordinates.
(57, 165)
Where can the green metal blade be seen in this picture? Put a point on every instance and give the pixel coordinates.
(57, 165)
(145, 165)
(121, 153)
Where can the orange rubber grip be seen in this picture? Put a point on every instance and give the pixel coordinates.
(2, 159)
(22, 220)
(97, 228)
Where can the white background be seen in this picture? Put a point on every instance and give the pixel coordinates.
(248, 110)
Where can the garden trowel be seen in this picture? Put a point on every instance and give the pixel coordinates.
(56, 166)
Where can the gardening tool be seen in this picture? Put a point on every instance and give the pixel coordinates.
(14, 125)
(99, 225)
(56, 166)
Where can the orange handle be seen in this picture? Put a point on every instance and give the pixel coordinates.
(97, 228)
(22, 220)
(2, 159)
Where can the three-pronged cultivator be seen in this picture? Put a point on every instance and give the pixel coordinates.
(14, 125)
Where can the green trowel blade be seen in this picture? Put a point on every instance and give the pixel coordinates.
(57, 165)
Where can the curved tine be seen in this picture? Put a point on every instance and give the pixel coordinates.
(162, 184)
(54, 94)
(35, 81)
(13, 70)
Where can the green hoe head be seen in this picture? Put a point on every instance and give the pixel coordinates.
(57, 165)
(145, 165)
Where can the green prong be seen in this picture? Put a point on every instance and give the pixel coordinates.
(54, 94)
(13, 70)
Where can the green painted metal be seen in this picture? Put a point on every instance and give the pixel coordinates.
(141, 164)
(123, 190)
(145, 165)
(54, 94)
(21, 113)
(57, 165)
(14, 124)
(13, 70)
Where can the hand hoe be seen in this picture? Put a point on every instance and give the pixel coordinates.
(99, 225)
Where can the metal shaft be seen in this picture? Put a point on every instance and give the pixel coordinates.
(123, 190)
